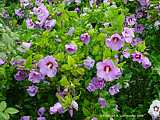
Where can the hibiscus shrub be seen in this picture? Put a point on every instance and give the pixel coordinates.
(79, 59)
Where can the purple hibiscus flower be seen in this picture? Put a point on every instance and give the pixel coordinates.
(71, 31)
(85, 38)
(20, 75)
(26, 45)
(41, 118)
(25, 118)
(131, 20)
(146, 63)
(77, 1)
(89, 63)
(94, 118)
(71, 48)
(48, 66)
(128, 34)
(18, 63)
(2, 61)
(74, 105)
(50, 0)
(59, 13)
(107, 70)
(57, 108)
(139, 14)
(91, 87)
(32, 90)
(41, 111)
(125, 53)
(39, 2)
(49, 24)
(92, 2)
(5, 14)
(70, 110)
(115, 42)
(42, 13)
(137, 57)
(30, 24)
(158, 8)
(35, 77)
(63, 93)
(136, 41)
(102, 102)
(19, 12)
(125, 1)
(77, 9)
(24, 3)
(96, 83)
(114, 89)
(139, 28)
(144, 3)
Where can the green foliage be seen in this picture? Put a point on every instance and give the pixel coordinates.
(6, 112)
(138, 87)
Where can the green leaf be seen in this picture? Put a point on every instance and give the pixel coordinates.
(59, 56)
(4, 116)
(3, 106)
(11, 110)
(141, 47)
(65, 67)
(64, 82)
(86, 111)
(106, 53)
(121, 64)
(120, 21)
(7, 117)
(67, 101)
(70, 61)
(80, 71)
(29, 62)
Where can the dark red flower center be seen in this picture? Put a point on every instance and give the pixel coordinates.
(107, 69)
(35, 73)
(156, 108)
(115, 39)
(86, 36)
(130, 19)
(137, 56)
(50, 65)
(31, 23)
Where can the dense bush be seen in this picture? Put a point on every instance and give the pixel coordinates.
(92, 60)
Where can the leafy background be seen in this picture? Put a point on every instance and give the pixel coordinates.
(133, 100)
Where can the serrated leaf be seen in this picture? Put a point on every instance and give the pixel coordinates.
(3, 106)
(11, 110)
